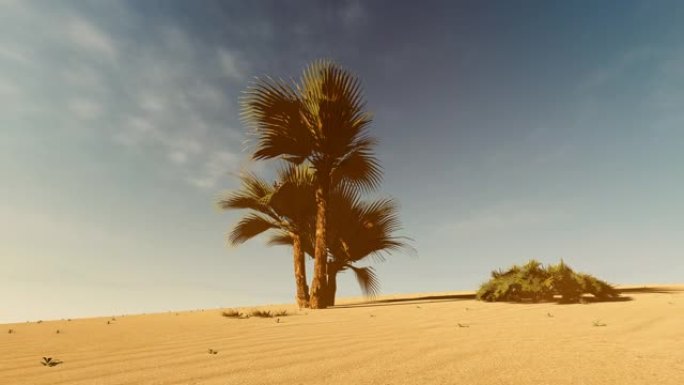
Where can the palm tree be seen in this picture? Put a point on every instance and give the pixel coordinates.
(360, 230)
(357, 230)
(322, 121)
(283, 207)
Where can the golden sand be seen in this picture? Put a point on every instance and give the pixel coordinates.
(401, 340)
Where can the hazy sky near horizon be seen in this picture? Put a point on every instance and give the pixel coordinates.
(508, 131)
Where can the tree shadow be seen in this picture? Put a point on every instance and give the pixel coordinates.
(648, 290)
(409, 301)
(470, 296)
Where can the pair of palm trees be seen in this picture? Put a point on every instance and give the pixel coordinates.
(318, 127)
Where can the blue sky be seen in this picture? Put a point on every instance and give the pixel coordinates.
(508, 131)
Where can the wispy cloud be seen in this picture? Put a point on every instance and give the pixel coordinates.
(166, 90)
(352, 13)
(88, 36)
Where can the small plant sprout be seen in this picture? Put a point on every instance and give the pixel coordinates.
(10, 331)
(549, 315)
(463, 325)
(212, 351)
(598, 323)
(50, 362)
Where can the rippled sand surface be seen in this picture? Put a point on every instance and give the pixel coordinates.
(441, 339)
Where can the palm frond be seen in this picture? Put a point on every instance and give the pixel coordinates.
(367, 279)
(362, 230)
(294, 198)
(249, 227)
(333, 108)
(272, 109)
(281, 238)
(359, 167)
(253, 194)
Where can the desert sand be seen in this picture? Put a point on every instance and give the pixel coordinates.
(441, 339)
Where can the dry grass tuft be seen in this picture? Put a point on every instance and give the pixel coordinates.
(231, 313)
(50, 362)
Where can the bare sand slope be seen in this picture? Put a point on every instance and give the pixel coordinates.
(400, 342)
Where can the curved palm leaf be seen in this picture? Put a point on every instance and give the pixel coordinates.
(367, 279)
(249, 227)
(255, 194)
(273, 110)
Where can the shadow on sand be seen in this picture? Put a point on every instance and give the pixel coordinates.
(471, 296)
(409, 301)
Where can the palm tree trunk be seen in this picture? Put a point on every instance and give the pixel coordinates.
(319, 282)
(300, 272)
(332, 286)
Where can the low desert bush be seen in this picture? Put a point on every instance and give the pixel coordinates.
(261, 314)
(535, 282)
(231, 313)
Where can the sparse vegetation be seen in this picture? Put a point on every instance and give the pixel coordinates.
(261, 314)
(50, 362)
(231, 313)
(11, 331)
(463, 325)
(598, 324)
(535, 282)
(212, 351)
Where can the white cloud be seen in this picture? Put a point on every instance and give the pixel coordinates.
(83, 77)
(84, 109)
(88, 36)
(230, 64)
(218, 166)
(353, 13)
(173, 96)
(8, 89)
(178, 157)
(14, 54)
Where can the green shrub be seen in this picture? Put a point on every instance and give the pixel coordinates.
(535, 282)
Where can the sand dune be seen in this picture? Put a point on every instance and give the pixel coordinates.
(399, 340)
